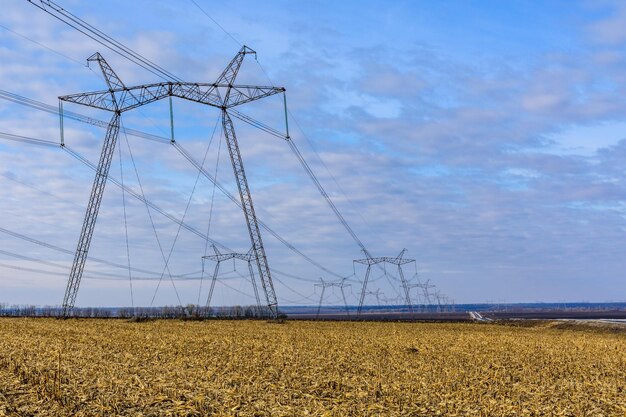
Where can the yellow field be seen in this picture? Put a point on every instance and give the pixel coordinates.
(253, 368)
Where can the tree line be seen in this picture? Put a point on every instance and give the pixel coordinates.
(188, 312)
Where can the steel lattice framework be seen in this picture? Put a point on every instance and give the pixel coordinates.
(399, 261)
(341, 285)
(118, 98)
(220, 257)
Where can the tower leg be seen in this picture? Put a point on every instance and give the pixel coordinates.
(215, 271)
(345, 302)
(256, 290)
(319, 306)
(367, 275)
(248, 209)
(407, 296)
(91, 215)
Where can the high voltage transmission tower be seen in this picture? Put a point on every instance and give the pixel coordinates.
(341, 285)
(415, 285)
(426, 286)
(398, 261)
(378, 294)
(221, 257)
(222, 94)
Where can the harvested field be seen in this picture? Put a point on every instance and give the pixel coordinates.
(253, 368)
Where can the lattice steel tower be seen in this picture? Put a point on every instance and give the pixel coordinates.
(118, 98)
(220, 257)
(398, 261)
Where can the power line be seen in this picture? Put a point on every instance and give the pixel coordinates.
(208, 231)
(12, 177)
(73, 21)
(141, 198)
(309, 171)
(156, 234)
(330, 202)
(295, 150)
(312, 146)
(237, 114)
(66, 251)
(306, 166)
(102, 38)
(100, 274)
(130, 275)
(42, 45)
(215, 21)
(187, 206)
(293, 291)
(196, 164)
(69, 252)
(161, 211)
(25, 139)
(38, 105)
(241, 116)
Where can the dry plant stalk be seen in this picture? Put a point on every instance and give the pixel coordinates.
(252, 368)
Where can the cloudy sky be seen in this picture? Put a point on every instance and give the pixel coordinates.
(486, 138)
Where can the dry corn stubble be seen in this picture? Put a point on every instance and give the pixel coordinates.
(254, 368)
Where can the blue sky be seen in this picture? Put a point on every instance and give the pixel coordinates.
(486, 137)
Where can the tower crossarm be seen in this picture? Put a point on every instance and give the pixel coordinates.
(219, 258)
(226, 256)
(332, 284)
(128, 98)
(399, 261)
(387, 259)
(241, 94)
(370, 261)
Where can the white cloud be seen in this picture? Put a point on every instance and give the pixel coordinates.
(612, 28)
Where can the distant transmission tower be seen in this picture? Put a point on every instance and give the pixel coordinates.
(221, 257)
(426, 286)
(398, 261)
(417, 297)
(222, 94)
(341, 285)
(378, 294)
